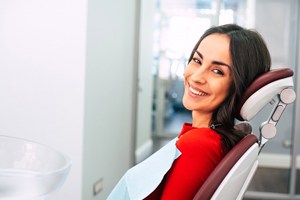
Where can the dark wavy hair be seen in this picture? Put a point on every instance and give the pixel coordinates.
(250, 57)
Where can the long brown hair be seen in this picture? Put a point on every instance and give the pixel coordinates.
(250, 57)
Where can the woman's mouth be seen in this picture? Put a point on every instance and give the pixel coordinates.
(196, 92)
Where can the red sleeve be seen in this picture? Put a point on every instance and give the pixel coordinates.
(201, 152)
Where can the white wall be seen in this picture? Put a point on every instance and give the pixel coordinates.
(67, 80)
(42, 66)
(144, 144)
(110, 95)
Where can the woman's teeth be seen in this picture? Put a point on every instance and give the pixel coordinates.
(197, 92)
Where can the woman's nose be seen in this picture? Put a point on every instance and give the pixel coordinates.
(200, 75)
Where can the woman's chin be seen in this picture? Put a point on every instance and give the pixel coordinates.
(187, 105)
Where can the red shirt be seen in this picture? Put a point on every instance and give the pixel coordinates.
(201, 150)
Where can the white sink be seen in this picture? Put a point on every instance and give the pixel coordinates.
(29, 170)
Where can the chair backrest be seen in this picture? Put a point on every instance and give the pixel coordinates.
(231, 177)
(220, 172)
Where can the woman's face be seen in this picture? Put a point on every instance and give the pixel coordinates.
(207, 78)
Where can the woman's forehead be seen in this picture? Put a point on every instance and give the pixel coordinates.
(215, 47)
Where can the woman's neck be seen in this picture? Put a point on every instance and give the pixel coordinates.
(201, 119)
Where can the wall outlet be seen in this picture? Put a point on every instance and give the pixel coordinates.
(98, 186)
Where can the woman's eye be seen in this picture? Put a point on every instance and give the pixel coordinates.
(217, 71)
(196, 60)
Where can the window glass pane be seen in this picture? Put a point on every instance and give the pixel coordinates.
(179, 25)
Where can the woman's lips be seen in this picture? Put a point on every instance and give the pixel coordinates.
(197, 92)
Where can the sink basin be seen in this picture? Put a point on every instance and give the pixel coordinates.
(29, 170)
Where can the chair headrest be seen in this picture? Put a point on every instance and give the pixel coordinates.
(262, 90)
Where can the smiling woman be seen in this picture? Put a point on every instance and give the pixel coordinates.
(207, 78)
(248, 58)
(224, 61)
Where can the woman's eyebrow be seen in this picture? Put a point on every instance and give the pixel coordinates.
(201, 56)
(221, 63)
(214, 62)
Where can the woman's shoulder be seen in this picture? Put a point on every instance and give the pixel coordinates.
(188, 131)
(199, 138)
